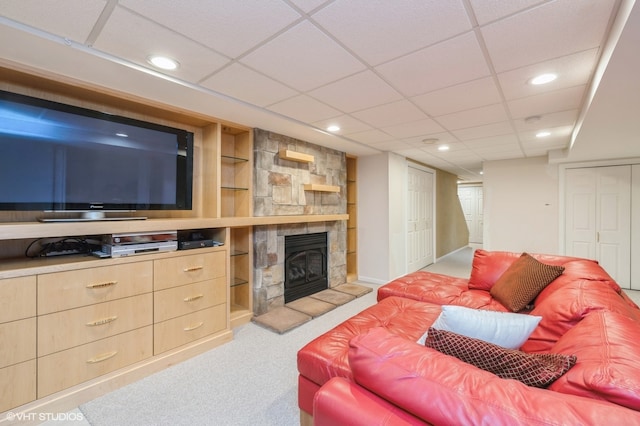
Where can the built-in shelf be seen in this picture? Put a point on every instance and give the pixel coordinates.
(287, 154)
(229, 159)
(321, 188)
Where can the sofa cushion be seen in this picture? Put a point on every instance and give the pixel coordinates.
(440, 389)
(500, 328)
(607, 345)
(567, 306)
(522, 282)
(538, 370)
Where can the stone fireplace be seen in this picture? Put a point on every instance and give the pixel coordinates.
(278, 190)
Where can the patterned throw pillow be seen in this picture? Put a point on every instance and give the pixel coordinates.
(523, 281)
(538, 370)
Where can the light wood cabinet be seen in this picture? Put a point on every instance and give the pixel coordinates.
(188, 269)
(188, 328)
(17, 341)
(352, 223)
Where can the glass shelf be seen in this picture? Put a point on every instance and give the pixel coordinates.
(229, 159)
(233, 188)
(239, 253)
(238, 281)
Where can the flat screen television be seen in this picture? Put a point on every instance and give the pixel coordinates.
(62, 158)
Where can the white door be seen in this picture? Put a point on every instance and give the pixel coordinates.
(598, 218)
(420, 218)
(471, 201)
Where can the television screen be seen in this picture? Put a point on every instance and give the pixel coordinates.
(57, 157)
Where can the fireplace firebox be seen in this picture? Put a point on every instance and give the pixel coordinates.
(305, 265)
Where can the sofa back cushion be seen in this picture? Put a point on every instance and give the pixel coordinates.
(435, 387)
(567, 306)
(488, 266)
(607, 345)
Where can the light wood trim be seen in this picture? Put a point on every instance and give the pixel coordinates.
(16, 298)
(321, 188)
(287, 154)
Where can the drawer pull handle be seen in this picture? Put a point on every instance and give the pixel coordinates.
(192, 298)
(102, 321)
(103, 357)
(193, 268)
(193, 327)
(101, 285)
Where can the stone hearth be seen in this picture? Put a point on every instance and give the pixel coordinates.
(278, 190)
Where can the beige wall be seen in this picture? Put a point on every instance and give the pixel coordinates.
(451, 228)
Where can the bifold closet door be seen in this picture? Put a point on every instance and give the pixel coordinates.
(598, 218)
(420, 235)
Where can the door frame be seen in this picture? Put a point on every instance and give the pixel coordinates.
(432, 171)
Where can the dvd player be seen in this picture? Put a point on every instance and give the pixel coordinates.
(129, 244)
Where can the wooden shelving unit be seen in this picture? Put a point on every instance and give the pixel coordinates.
(236, 161)
(352, 223)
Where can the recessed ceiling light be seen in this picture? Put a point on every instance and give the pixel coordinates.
(163, 62)
(543, 134)
(430, 141)
(543, 79)
(443, 148)
(333, 128)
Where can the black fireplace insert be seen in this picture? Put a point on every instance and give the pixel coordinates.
(305, 265)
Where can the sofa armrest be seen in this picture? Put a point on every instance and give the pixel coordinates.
(341, 402)
(440, 389)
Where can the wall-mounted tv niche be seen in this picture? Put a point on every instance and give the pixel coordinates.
(62, 158)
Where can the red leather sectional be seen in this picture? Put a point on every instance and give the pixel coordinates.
(369, 370)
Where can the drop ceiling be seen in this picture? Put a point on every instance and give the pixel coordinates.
(404, 77)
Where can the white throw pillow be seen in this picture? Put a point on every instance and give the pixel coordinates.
(505, 329)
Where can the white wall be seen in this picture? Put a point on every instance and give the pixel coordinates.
(382, 235)
(373, 218)
(521, 211)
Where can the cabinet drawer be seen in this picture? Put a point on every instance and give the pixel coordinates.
(182, 270)
(66, 329)
(17, 341)
(17, 385)
(188, 328)
(17, 298)
(177, 301)
(71, 289)
(68, 368)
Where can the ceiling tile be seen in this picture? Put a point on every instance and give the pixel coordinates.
(304, 57)
(130, 36)
(231, 28)
(547, 121)
(247, 85)
(347, 124)
(390, 114)
(305, 109)
(484, 131)
(391, 145)
(74, 21)
(445, 64)
(487, 11)
(379, 30)
(369, 136)
(572, 70)
(550, 102)
(357, 92)
(308, 5)
(551, 30)
(414, 128)
(473, 117)
(464, 96)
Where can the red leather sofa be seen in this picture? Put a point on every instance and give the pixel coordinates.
(370, 370)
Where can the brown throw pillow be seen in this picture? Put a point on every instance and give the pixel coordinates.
(537, 370)
(523, 281)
